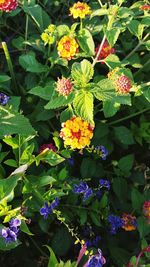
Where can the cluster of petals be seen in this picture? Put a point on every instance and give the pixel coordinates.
(76, 133)
(64, 86)
(146, 210)
(145, 7)
(80, 10)
(8, 5)
(105, 51)
(129, 222)
(67, 47)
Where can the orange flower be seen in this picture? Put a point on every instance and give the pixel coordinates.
(80, 10)
(8, 5)
(145, 7)
(67, 47)
(129, 222)
(146, 210)
(76, 133)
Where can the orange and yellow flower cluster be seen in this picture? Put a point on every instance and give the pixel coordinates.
(146, 210)
(8, 5)
(129, 222)
(67, 47)
(106, 50)
(80, 10)
(76, 133)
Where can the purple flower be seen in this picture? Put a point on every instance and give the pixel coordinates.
(3, 99)
(98, 194)
(103, 152)
(96, 260)
(83, 188)
(105, 183)
(87, 194)
(115, 222)
(47, 209)
(9, 235)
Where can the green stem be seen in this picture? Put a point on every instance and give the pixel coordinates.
(137, 47)
(10, 67)
(129, 117)
(81, 24)
(146, 64)
(19, 150)
(26, 29)
(38, 248)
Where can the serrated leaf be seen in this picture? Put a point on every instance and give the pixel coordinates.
(112, 35)
(86, 42)
(136, 28)
(83, 105)
(82, 72)
(66, 114)
(59, 101)
(104, 90)
(146, 93)
(12, 122)
(43, 92)
(126, 162)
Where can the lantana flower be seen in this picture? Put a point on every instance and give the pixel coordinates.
(8, 5)
(122, 83)
(106, 50)
(67, 47)
(76, 133)
(145, 7)
(146, 210)
(48, 36)
(129, 222)
(64, 86)
(46, 147)
(80, 10)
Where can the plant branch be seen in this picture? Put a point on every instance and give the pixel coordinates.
(99, 51)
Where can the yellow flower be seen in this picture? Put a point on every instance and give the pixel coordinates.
(48, 36)
(80, 10)
(67, 47)
(76, 133)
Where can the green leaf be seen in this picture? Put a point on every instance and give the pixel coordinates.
(112, 35)
(66, 114)
(137, 199)
(11, 162)
(63, 30)
(4, 78)
(126, 163)
(124, 135)
(86, 42)
(52, 260)
(41, 180)
(82, 72)
(136, 28)
(95, 218)
(29, 63)
(120, 188)
(43, 92)
(59, 101)
(146, 93)
(12, 122)
(83, 105)
(113, 61)
(38, 15)
(104, 90)
(49, 157)
(24, 228)
(143, 227)
(110, 108)
(99, 12)
(60, 244)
